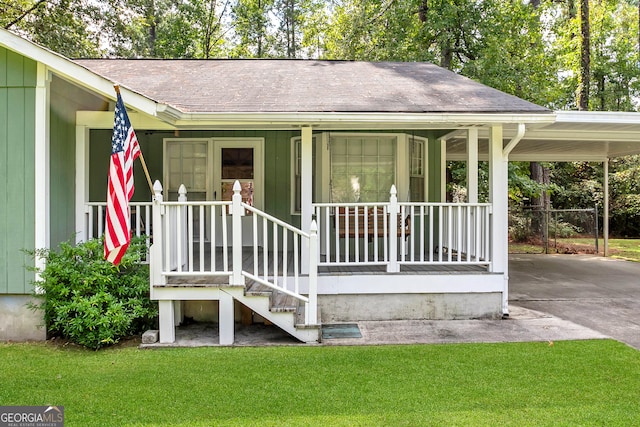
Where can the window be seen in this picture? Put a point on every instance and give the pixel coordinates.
(362, 167)
(416, 169)
(187, 162)
(237, 164)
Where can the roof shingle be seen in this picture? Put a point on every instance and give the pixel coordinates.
(262, 86)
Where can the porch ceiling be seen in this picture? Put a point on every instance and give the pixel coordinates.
(575, 136)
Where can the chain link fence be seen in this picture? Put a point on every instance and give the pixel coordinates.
(536, 229)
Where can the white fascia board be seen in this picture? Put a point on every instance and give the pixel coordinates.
(104, 120)
(590, 135)
(619, 117)
(75, 73)
(557, 157)
(532, 157)
(322, 120)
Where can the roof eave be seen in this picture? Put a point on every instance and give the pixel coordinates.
(73, 72)
(616, 117)
(348, 119)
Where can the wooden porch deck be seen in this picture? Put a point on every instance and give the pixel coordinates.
(249, 265)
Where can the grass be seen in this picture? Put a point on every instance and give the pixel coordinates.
(628, 249)
(570, 383)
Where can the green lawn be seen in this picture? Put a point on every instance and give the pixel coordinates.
(567, 384)
(628, 249)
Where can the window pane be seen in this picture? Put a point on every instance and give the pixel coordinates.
(237, 163)
(362, 168)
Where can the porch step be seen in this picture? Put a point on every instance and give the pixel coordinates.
(279, 301)
(198, 282)
(300, 320)
(281, 309)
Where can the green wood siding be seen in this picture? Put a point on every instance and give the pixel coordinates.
(66, 99)
(17, 170)
(277, 163)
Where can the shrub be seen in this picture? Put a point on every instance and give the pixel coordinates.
(88, 300)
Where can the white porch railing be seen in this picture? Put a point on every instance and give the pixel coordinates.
(447, 233)
(95, 213)
(193, 239)
(403, 233)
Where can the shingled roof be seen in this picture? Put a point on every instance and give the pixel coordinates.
(263, 86)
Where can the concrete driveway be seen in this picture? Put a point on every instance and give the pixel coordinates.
(600, 293)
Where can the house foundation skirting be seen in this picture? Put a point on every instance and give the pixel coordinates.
(447, 306)
(356, 307)
(18, 322)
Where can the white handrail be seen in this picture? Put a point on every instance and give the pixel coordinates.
(187, 229)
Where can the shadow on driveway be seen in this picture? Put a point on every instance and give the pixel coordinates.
(600, 293)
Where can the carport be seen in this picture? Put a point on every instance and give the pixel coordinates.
(590, 136)
(602, 294)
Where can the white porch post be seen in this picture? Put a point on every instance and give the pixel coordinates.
(306, 190)
(41, 179)
(166, 319)
(498, 196)
(443, 170)
(237, 212)
(226, 319)
(82, 182)
(605, 207)
(312, 305)
(472, 165)
(394, 210)
(156, 250)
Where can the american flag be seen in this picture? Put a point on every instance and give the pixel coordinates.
(124, 150)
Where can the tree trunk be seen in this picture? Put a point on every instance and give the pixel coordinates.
(542, 204)
(601, 94)
(24, 14)
(446, 54)
(585, 57)
(260, 30)
(152, 21)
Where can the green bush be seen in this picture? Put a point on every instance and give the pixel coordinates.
(88, 300)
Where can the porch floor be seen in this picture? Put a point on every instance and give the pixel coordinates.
(249, 264)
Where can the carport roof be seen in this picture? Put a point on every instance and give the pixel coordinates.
(574, 136)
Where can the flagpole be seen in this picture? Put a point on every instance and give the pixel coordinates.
(144, 164)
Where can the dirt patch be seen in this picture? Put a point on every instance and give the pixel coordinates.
(565, 248)
(133, 341)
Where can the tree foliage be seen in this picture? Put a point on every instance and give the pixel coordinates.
(563, 54)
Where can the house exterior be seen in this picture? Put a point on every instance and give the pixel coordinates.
(296, 192)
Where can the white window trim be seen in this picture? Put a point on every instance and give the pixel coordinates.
(425, 163)
(213, 145)
(401, 152)
(258, 163)
(165, 164)
(322, 167)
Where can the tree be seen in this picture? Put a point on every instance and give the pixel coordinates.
(65, 26)
(165, 28)
(585, 56)
(250, 20)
